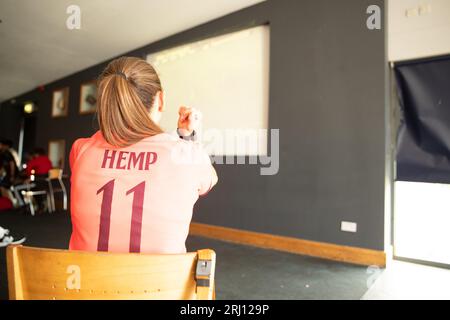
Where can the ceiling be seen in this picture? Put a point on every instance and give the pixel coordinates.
(36, 47)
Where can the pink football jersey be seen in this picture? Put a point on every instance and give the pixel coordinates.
(136, 199)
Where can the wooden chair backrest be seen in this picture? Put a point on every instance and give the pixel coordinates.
(51, 274)
(55, 173)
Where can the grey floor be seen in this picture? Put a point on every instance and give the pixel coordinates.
(245, 272)
(242, 272)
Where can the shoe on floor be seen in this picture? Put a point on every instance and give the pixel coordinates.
(6, 239)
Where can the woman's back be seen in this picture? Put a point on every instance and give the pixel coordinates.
(137, 198)
(134, 186)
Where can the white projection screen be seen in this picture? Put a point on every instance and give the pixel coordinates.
(227, 79)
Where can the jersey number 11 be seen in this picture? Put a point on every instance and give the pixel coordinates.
(136, 216)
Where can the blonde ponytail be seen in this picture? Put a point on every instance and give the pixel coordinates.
(126, 90)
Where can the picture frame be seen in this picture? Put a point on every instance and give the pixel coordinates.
(56, 152)
(60, 102)
(88, 97)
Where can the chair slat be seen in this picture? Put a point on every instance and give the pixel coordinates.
(35, 273)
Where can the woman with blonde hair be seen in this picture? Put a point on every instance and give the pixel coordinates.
(131, 191)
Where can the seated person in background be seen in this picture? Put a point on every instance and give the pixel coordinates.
(133, 187)
(39, 164)
(8, 169)
(9, 146)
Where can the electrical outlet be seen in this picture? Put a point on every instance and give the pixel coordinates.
(349, 226)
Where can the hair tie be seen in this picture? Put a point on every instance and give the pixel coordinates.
(119, 73)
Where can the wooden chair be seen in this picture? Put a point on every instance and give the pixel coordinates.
(56, 175)
(50, 274)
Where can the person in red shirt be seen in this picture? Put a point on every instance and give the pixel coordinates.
(39, 164)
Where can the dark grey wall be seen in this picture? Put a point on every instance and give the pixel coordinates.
(10, 118)
(326, 97)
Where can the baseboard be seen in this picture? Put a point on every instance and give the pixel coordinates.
(329, 251)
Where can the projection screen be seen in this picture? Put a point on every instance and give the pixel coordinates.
(227, 79)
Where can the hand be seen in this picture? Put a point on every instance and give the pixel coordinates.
(189, 120)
